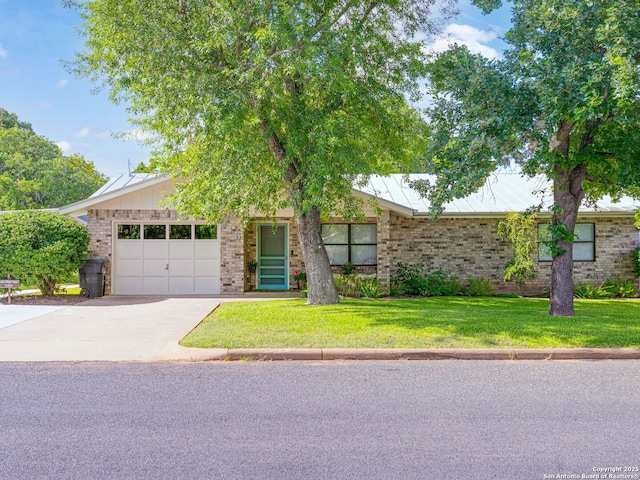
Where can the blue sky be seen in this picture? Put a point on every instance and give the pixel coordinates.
(36, 35)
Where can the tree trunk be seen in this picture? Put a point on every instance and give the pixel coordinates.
(567, 197)
(47, 286)
(321, 288)
(320, 285)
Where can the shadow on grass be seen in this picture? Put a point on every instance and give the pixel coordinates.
(508, 322)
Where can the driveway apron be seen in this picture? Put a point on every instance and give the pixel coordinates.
(110, 328)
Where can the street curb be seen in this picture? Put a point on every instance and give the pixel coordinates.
(317, 354)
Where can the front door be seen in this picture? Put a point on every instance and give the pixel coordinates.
(273, 267)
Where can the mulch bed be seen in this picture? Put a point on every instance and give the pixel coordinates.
(44, 300)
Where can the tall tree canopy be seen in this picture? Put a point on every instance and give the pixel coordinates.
(35, 174)
(564, 102)
(264, 104)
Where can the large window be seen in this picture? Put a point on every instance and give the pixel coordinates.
(355, 243)
(584, 243)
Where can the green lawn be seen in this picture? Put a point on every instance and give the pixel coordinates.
(444, 322)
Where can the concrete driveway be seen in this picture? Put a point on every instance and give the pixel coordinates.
(109, 329)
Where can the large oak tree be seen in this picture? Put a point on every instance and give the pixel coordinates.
(265, 104)
(564, 102)
(35, 174)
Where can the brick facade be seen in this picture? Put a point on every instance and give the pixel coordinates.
(470, 249)
(467, 247)
(232, 257)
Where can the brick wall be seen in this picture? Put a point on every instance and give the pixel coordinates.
(470, 248)
(232, 256)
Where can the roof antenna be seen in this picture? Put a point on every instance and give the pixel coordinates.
(129, 167)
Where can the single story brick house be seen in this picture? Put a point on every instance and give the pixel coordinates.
(150, 251)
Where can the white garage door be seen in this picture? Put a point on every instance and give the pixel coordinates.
(166, 259)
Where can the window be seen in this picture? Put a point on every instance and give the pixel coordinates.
(128, 232)
(584, 243)
(155, 232)
(206, 232)
(179, 232)
(351, 243)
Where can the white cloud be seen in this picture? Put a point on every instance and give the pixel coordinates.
(86, 132)
(473, 38)
(64, 146)
(62, 83)
(3, 52)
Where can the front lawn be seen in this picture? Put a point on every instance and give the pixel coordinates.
(443, 322)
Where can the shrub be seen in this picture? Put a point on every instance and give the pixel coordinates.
(442, 283)
(410, 280)
(348, 268)
(608, 289)
(41, 248)
(480, 287)
(635, 257)
(586, 290)
(370, 287)
(356, 286)
(620, 288)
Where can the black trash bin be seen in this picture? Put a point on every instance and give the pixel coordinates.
(92, 277)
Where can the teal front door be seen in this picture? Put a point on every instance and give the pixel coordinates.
(273, 266)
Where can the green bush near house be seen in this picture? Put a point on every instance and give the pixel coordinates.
(607, 289)
(410, 279)
(41, 248)
(357, 286)
(480, 287)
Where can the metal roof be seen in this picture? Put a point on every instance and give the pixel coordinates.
(501, 193)
(121, 181)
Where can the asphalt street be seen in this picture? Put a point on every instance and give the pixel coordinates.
(319, 420)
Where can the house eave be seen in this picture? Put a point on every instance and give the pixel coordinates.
(386, 204)
(83, 206)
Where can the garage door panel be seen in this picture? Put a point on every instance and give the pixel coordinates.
(129, 249)
(155, 285)
(181, 285)
(181, 249)
(207, 267)
(207, 249)
(129, 286)
(154, 267)
(128, 267)
(156, 249)
(181, 267)
(207, 284)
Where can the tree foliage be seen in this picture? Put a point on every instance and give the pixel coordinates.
(520, 230)
(35, 174)
(564, 101)
(41, 248)
(268, 104)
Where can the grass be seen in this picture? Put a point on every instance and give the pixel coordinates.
(443, 322)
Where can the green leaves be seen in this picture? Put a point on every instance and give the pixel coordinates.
(35, 174)
(267, 99)
(570, 64)
(519, 230)
(41, 248)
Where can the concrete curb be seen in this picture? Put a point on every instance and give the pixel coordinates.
(317, 354)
